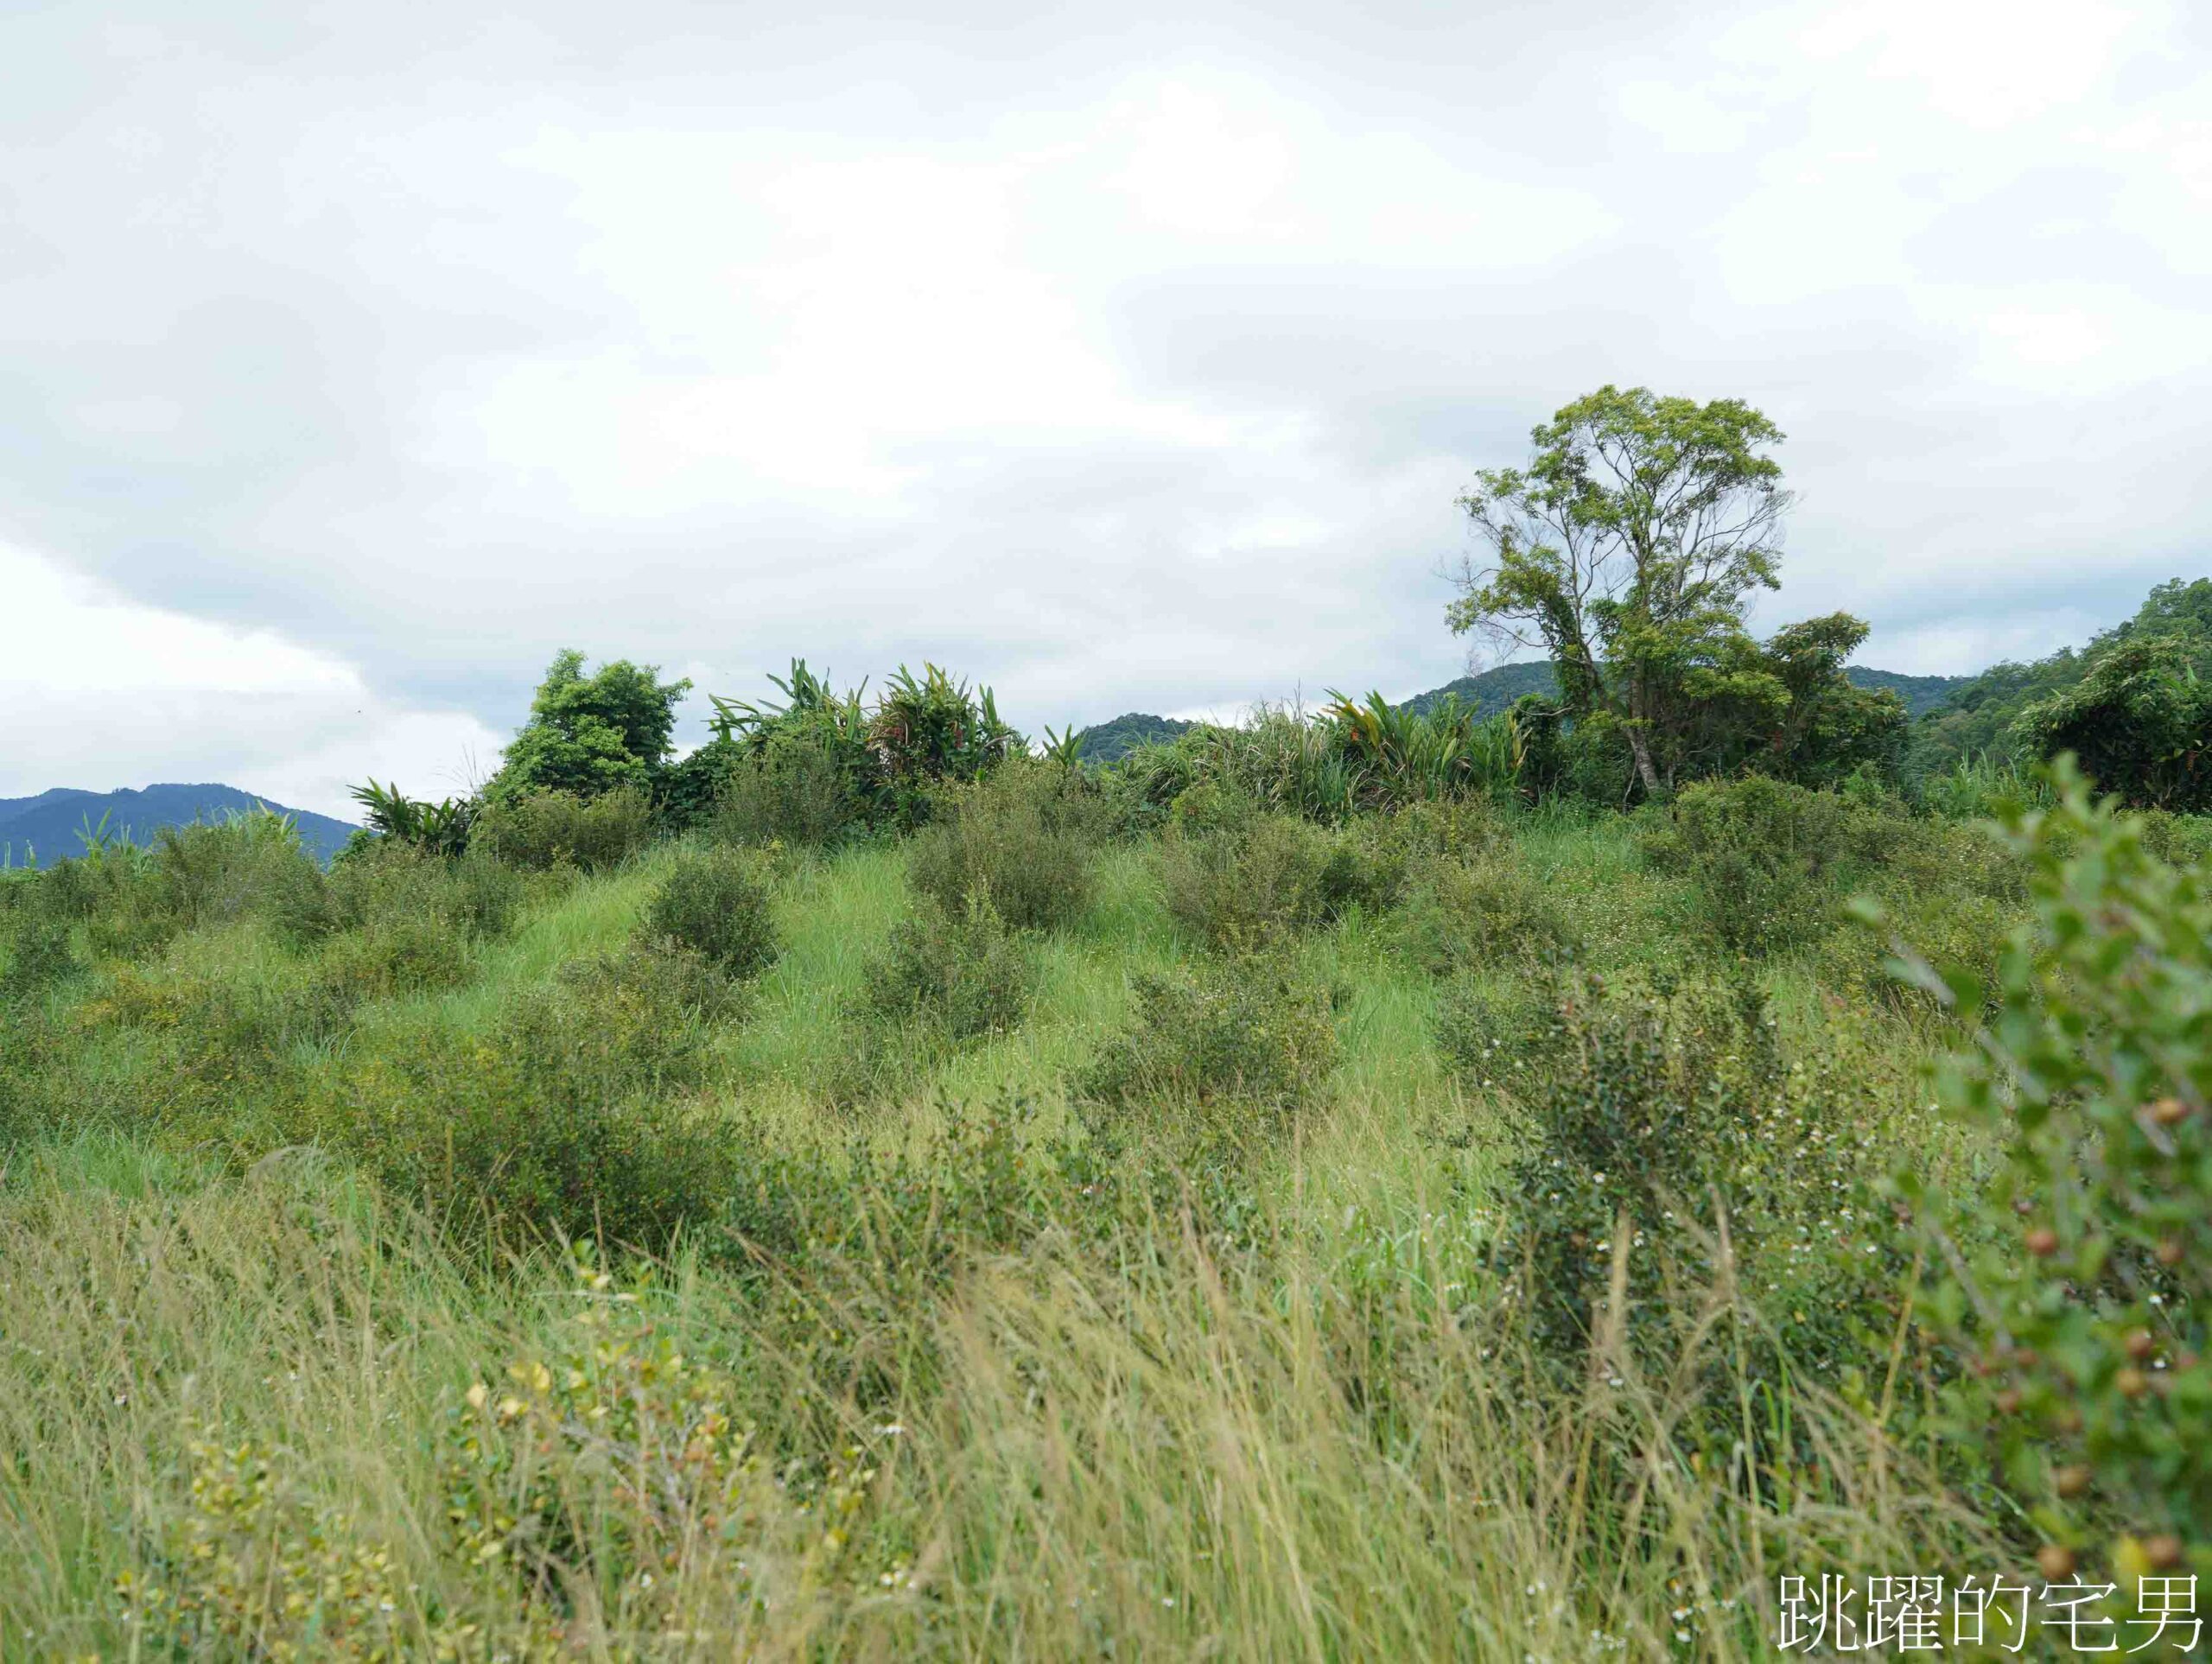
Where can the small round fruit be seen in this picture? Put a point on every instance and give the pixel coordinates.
(2163, 1552)
(2043, 1242)
(2139, 1345)
(2168, 1252)
(2169, 1112)
(2131, 1383)
(2073, 1479)
(2054, 1562)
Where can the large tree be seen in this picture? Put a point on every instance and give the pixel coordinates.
(1628, 548)
(592, 733)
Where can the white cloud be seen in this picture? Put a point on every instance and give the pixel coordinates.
(101, 692)
(1129, 366)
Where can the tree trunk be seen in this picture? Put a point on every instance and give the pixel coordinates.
(1642, 747)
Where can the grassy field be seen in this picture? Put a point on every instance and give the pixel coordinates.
(920, 1342)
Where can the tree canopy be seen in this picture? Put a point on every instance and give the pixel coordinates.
(1628, 548)
(589, 734)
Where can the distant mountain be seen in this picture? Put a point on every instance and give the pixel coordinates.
(1490, 692)
(1921, 694)
(1493, 691)
(1108, 742)
(47, 826)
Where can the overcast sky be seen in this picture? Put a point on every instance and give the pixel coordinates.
(355, 358)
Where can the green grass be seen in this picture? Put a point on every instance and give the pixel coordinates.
(1006, 1397)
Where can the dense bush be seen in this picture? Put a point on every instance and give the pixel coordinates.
(1028, 837)
(924, 732)
(1672, 1113)
(1952, 889)
(1353, 756)
(539, 831)
(1256, 881)
(960, 971)
(2139, 722)
(1248, 1032)
(932, 730)
(217, 873)
(1764, 860)
(131, 900)
(221, 1047)
(1463, 914)
(716, 903)
(36, 951)
(575, 1114)
(440, 827)
(2083, 1295)
(477, 893)
(399, 953)
(799, 791)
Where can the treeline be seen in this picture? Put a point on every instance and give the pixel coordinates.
(596, 764)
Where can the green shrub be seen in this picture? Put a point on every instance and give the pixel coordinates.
(1764, 860)
(1247, 1031)
(132, 901)
(536, 831)
(573, 1116)
(475, 893)
(217, 1053)
(216, 872)
(2178, 840)
(39, 953)
(932, 730)
(1028, 838)
(2084, 1292)
(1672, 1112)
(717, 904)
(1211, 805)
(398, 954)
(1950, 888)
(1269, 877)
(1977, 786)
(801, 792)
(2140, 721)
(1461, 915)
(613, 1025)
(963, 973)
(924, 732)
(440, 828)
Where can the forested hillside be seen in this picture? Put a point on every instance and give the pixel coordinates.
(1110, 742)
(2151, 658)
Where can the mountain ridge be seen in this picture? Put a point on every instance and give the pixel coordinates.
(46, 826)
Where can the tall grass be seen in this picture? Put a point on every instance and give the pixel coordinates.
(966, 1363)
(1307, 1440)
